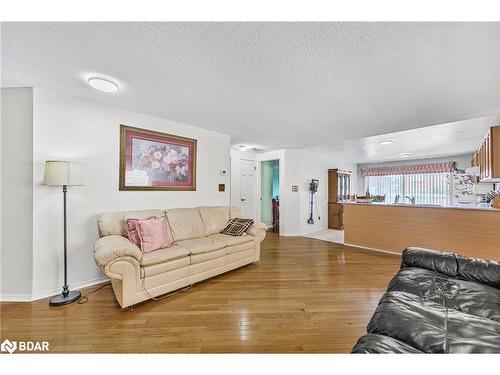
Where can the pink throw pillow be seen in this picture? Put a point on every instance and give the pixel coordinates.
(132, 233)
(152, 234)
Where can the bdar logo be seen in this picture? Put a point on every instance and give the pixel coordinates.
(8, 346)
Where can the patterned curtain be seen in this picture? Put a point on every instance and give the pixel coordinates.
(441, 167)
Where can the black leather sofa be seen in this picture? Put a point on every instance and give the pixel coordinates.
(437, 303)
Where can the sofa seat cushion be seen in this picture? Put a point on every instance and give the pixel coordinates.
(462, 295)
(404, 316)
(201, 245)
(431, 327)
(209, 255)
(164, 255)
(167, 266)
(373, 343)
(231, 240)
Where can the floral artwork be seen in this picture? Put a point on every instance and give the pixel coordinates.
(156, 161)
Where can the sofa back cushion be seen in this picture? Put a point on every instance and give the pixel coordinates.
(236, 212)
(442, 262)
(114, 223)
(480, 270)
(185, 223)
(214, 218)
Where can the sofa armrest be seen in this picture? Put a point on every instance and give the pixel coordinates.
(111, 247)
(256, 229)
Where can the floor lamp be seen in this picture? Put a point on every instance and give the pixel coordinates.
(63, 173)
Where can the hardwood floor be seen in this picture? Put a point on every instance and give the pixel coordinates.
(305, 295)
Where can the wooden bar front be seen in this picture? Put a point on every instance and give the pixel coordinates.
(470, 232)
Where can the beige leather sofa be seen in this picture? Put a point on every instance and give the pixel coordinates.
(199, 252)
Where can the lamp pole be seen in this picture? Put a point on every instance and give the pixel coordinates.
(66, 297)
(65, 291)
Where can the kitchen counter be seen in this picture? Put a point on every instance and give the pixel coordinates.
(470, 231)
(460, 206)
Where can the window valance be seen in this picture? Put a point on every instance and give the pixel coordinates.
(440, 167)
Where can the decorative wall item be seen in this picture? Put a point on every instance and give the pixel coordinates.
(152, 160)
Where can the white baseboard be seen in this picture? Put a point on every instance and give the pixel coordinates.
(7, 297)
(49, 293)
(373, 249)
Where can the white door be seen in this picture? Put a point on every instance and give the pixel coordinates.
(247, 188)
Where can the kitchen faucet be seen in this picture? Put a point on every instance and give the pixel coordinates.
(412, 199)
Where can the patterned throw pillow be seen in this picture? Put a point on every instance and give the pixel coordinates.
(236, 227)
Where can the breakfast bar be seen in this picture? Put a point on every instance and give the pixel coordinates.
(468, 230)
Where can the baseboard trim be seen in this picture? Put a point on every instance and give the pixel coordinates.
(7, 297)
(75, 286)
(373, 249)
(49, 293)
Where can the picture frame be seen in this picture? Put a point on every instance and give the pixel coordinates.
(151, 160)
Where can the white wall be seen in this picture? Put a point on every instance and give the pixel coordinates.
(68, 128)
(297, 167)
(301, 167)
(16, 193)
(462, 161)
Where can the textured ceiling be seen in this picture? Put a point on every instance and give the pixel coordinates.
(454, 138)
(270, 84)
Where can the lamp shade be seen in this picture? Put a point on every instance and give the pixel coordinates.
(62, 173)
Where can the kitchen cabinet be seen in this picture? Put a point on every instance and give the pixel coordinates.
(339, 190)
(335, 216)
(487, 157)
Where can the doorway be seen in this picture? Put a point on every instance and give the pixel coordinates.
(270, 193)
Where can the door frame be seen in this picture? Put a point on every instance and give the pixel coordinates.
(236, 157)
(282, 185)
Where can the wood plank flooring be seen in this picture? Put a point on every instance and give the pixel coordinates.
(304, 296)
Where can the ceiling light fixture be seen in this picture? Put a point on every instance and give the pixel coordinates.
(242, 147)
(385, 141)
(103, 84)
(404, 154)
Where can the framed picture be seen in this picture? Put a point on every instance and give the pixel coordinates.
(152, 160)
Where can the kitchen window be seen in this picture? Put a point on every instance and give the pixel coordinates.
(427, 183)
(428, 188)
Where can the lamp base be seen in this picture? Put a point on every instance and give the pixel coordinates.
(60, 300)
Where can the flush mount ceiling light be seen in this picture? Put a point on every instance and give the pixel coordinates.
(404, 154)
(103, 84)
(385, 141)
(242, 147)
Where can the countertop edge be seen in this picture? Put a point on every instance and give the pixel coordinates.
(487, 209)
